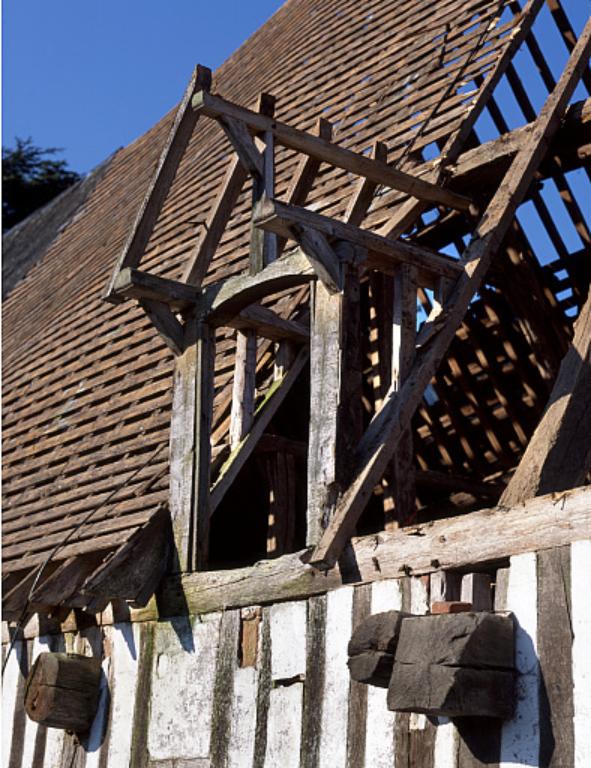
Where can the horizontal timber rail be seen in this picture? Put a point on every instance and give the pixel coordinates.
(135, 284)
(456, 543)
(384, 254)
(321, 149)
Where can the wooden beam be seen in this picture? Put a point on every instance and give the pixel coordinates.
(364, 193)
(263, 245)
(190, 445)
(335, 397)
(462, 542)
(270, 325)
(403, 355)
(491, 159)
(221, 301)
(134, 284)
(66, 580)
(165, 322)
(214, 226)
(325, 151)
(382, 253)
(559, 453)
(383, 434)
(263, 415)
(174, 148)
(410, 210)
(320, 255)
(136, 568)
(243, 144)
(303, 179)
(244, 386)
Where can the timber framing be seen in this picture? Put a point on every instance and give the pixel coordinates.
(453, 545)
(384, 434)
(361, 327)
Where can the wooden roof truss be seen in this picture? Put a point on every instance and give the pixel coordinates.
(344, 464)
(321, 261)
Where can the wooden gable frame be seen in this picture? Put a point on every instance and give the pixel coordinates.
(343, 465)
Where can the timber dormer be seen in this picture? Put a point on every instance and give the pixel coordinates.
(331, 318)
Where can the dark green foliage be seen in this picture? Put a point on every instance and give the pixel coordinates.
(30, 179)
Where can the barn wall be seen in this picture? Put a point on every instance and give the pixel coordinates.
(175, 694)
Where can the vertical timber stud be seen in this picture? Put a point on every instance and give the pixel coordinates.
(190, 447)
(335, 403)
(263, 245)
(404, 332)
(263, 250)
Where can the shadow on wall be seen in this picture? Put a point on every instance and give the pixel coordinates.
(528, 738)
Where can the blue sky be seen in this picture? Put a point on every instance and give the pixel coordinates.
(92, 76)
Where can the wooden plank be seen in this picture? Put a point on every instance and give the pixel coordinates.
(554, 646)
(382, 253)
(244, 146)
(558, 455)
(263, 416)
(325, 151)
(134, 284)
(65, 581)
(190, 445)
(454, 543)
(263, 245)
(281, 478)
(174, 149)
(404, 328)
(357, 714)
(407, 214)
(315, 679)
(270, 325)
(227, 298)
(383, 434)
(263, 693)
(223, 690)
(580, 578)
(363, 195)
(214, 226)
(321, 256)
(335, 384)
(167, 325)
(244, 385)
(136, 568)
(303, 179)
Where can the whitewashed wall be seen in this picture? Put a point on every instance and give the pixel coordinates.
(174, 694)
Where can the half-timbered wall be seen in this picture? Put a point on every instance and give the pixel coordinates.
(271, 689)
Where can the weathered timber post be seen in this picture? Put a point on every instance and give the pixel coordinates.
(335, 387)
(404, 332)
(190, 446)
(263, 250)
(62, 691)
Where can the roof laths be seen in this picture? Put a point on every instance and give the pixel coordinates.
(80, 428)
